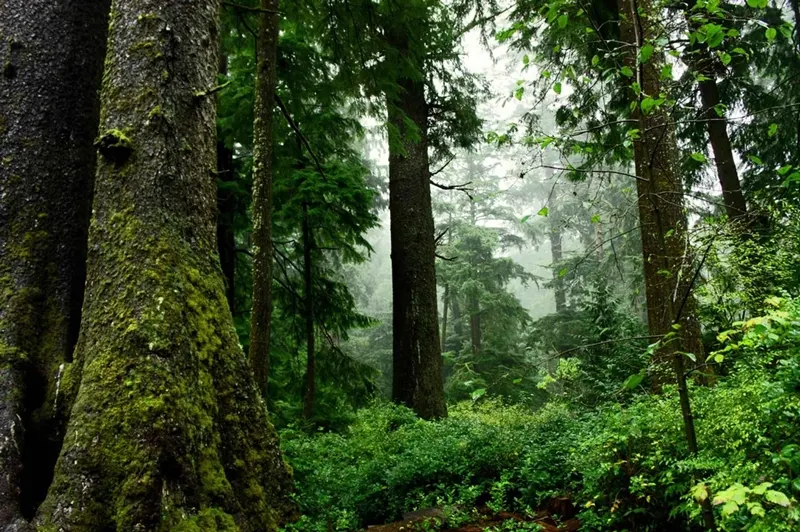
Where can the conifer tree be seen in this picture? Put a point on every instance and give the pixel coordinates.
(167, 431)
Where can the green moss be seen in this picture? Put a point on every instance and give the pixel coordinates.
(114, 145)
(209, 520)
(155, 112)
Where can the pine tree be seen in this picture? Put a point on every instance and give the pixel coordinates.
(168, 431)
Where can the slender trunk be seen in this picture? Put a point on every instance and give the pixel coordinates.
(417, 361)
(458, 327)
(308, 295)
(475, 324)
(226, 234)
(702, 63)
(557, 256)
(168, 431)
(266, 81)
(52, 55)
(445, 303)
(665, 245)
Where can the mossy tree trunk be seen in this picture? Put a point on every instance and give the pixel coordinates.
(52, 59)
(662, 218)
(226, 215)
(167, 431)
(266, 80)
(417, 359)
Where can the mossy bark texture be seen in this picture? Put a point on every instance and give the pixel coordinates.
(167, 431)
(51, 53)
(668, 264)
(417, 360)
(266, 81)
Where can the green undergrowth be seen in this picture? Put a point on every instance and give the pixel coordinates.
(625, 466)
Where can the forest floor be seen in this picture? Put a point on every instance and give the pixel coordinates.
(557, 517)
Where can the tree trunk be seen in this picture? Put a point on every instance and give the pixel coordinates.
(445, 303)
(702, 63)
(665, 247)
(308, 295)
(52, 55)
(417, 360)
(266, 81)
(458, 327)
(226, 233)
(168, 431)
(475, 324)
(557, 256)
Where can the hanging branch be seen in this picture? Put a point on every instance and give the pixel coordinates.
(445, 165)
(300, 135)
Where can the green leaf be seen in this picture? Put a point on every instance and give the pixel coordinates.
(720, 109)
(771, 33)
(755, 160)
(647, 105)
(526, 59)
(525, 219)
(645, 53)
(762, 488)
(699, 157)
(777, 497)
(477, 394)
(725, 58)
(666, 72)
(595, 218)
(626, 71)
(562, 272)
(595, 60)
(519, 92)
(562, 21)
(543, 211)
(783, 169)
(633, 381)
(557, 88)
(730, 508)
(772, 130)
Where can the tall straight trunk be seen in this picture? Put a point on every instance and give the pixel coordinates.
(662, 219)
(226, 213)
(308, 296)
(266, 81)
(701, 62)
(556, 252)
(458, 327)
(417, 361)
(52, 55)
(665, 242)
(167, 431)
(475, 324)
(445, 303)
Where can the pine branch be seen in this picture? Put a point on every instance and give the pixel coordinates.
(250, 9)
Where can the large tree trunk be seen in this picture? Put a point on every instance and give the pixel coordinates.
(308, 295)
(266, 81)
(665, 248)
(52, 55)
(417, 360)
(168, 431)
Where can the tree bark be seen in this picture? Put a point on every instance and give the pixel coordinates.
(52, 55)
(266, 81)
(168, 431)
(665, 246)
(417, 360)
(308, 295)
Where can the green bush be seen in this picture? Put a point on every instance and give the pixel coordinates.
(627, 467)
